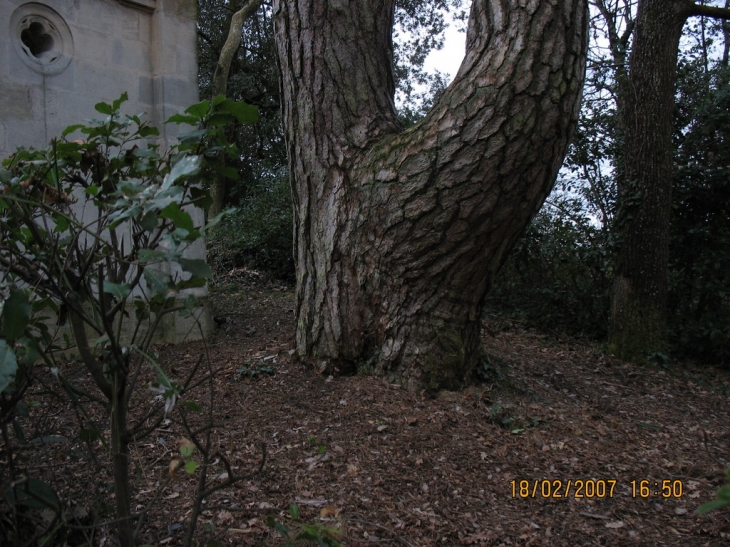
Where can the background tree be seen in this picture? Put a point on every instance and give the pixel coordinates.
(560, 273)
(639, 303)
(219, 86)
(399, 233)
(699, 258)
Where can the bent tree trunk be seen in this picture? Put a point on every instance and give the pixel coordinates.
(399, 233)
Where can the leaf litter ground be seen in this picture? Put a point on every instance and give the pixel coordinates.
(390, 467)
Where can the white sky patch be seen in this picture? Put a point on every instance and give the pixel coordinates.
(448, 59)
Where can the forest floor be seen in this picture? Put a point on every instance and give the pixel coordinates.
(558, 458)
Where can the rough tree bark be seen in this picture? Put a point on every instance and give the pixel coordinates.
(638, 309)
(399, 233)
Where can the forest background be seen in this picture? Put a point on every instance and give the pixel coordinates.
(559, 276)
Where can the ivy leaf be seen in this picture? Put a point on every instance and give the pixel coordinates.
(8, 365)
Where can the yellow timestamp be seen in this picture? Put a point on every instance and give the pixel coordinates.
(576, 489)
(666, 489)
(593, 488)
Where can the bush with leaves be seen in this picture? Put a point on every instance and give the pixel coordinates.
(558, 274)
(700, 235)
(93, 235)
(257, 233)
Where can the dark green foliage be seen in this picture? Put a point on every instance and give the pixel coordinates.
(723, 499)
(298, 532)
(700, 237)
(558, 275)
(255, 371)
(258, 234)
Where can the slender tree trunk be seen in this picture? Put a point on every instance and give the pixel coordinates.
(219, 86)
(120, 465)
(399, 233)
(639, 305)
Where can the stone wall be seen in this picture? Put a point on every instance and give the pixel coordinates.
(58, 58)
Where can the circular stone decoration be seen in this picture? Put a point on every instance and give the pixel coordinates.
(41, 38)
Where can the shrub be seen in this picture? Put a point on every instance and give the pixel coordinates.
(94, 233)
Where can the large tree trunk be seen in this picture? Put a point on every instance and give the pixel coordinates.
(399, 233)
(638, 309)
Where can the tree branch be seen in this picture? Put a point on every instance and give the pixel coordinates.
(220, 76)
(708, 11)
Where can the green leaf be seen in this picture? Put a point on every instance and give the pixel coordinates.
(216, 219)
(197, 267)
(220, 120)
(122, 98)
(229, 172)
(244, 113)
(192, 137)
(121, 291)
(218, 100)
(33, 493)
(294, 511)
(15, 314)
(180, 218)
(71, 129)
(28, 350)
(199, 110)
(8, 365)
(711, 506)
(201, 197)
(149, 255)
(192, 405)
(149, 221)
(187, 166)
(724, 493)
(104, 108)
(157, 282)
(191, 302)
(191, 466)
(192, 283)
(148, 131)
(181, 118)
(186, 450)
